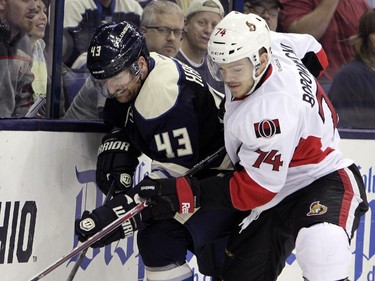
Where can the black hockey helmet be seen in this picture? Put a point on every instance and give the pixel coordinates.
(113, 48)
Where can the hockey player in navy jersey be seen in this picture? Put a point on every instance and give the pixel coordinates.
(162, 108)
(280, 131)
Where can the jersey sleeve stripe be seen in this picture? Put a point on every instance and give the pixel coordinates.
(246, 194)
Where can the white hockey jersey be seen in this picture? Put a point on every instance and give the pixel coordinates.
(284, 133)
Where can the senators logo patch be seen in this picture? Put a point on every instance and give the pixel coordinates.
(267, 128)
(317, 209)
(251, 26)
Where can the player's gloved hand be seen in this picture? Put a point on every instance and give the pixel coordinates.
(93, 222)
(117, 160)
(169, 196)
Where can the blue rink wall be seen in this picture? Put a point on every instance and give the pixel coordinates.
(47, 179)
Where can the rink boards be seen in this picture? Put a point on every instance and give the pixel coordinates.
(47, 179)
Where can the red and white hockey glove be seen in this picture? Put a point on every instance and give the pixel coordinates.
(169, 196)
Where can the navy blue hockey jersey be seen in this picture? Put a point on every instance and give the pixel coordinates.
(174, 119)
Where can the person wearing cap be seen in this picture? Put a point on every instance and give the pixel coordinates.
(267, 9)
(201, 18)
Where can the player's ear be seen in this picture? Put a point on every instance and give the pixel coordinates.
(263, 57)
(142, 63)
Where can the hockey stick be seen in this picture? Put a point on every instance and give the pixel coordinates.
(128, 215)
(83, 253)
(193, 170)
(203, 163)
(109, 228)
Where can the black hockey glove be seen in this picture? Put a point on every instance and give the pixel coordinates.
(93, 222)
(117, 160)
(169, 196)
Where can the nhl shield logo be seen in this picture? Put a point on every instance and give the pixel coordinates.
(317, 209)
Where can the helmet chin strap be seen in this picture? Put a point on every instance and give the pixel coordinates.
(259, 77)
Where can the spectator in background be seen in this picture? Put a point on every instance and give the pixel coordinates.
(331, 22)
(16, 20)
(39, 67)
(201, 18)
(162, 24)
(353, 88)
(267, 9)
(89, 103)
(82, 17)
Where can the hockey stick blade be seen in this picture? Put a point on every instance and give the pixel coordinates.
(128, 215)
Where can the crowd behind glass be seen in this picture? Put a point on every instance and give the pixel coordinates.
(24, 46)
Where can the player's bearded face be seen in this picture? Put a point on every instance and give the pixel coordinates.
(238, 76)
(124, 86)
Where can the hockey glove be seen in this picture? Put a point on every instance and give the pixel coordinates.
(169, 196)
(93, 222)
(117, 160)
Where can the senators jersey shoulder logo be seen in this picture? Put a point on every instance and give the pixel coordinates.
(267, 128)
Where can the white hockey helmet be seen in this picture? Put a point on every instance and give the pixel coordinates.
(235, 37)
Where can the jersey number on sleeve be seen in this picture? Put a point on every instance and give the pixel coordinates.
(269, 158)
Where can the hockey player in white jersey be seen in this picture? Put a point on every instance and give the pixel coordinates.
(280, 131)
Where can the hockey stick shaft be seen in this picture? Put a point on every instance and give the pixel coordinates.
(109, 228)
(83, 253)
(128, 215)
(209, 159)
